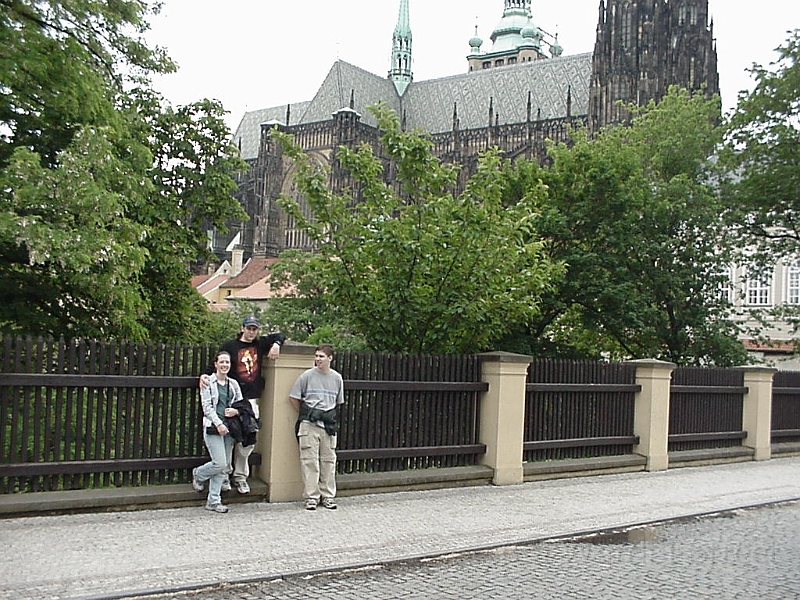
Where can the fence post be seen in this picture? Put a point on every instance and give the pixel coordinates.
(651, 412)
(502, 417)
(757, 410)
(280, 456)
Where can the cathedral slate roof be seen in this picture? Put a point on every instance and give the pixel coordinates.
(428, 105)
(334, 93)
(248, 133)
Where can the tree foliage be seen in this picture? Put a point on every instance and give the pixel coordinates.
(635, 217)
(762, 155)
(410, 266)
(305, 313)
(106, 191)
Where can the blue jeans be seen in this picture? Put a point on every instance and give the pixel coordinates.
(220, 448)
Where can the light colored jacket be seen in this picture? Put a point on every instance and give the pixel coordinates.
(209, 398)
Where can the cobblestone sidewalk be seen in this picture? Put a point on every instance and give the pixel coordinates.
(116, 554)
(742, 554)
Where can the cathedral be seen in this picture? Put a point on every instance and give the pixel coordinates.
(518, 90)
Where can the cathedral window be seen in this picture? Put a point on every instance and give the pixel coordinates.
(687, 14)
(487, 65)
(622, 89)
(627, 28)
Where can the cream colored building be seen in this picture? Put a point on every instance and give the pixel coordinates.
(769, 339)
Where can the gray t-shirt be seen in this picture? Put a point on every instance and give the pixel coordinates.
(319, 390)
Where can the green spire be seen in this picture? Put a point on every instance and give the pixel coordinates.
(400, 69)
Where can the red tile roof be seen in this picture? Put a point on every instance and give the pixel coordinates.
(198, 280)
(771, 346)
(211, 283)
(255, 270)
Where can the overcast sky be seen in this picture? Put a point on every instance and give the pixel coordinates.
(253, 54)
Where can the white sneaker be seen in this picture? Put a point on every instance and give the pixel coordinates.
(242, 487)
(198, 487)
(226, 486)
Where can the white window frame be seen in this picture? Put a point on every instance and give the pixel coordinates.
(793, 283)
(726, 286)
(758, 290)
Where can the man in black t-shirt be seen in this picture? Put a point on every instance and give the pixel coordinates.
(247, 353)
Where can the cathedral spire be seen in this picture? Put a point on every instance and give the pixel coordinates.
(400, 69)
(643, 48)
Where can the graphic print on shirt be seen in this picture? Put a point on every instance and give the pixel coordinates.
(247, 365)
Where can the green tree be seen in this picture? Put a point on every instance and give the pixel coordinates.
(307, 314)
(62, 68)
(634, 215)
(414, 268)
(762, 156)
(761, 160)
(66, 244)
(106, 191)
(192, 193)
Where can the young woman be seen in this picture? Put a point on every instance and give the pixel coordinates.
(217, 400)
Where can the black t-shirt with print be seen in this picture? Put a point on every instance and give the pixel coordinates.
(247, 360)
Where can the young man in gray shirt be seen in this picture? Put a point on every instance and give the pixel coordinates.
(316, 395)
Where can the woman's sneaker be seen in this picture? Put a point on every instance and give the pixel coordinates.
(198, 487)
(311, 504)
(218, 508)
(329, 503)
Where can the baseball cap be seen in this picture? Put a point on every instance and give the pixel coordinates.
(251, 321)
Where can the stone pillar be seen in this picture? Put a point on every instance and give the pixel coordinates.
(757, 410)
(277, 443)
(651, 412)
(503, 414)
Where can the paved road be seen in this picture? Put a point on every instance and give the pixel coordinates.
(742, 554)
(116, 555)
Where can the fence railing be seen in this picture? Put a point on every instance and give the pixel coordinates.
(705, 409)
(579, 409)
(408, 412)
(78, 414)
(82, 414)
(786, 406)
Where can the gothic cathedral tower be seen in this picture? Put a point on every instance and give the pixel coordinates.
(400, 70)
(694, 52)
(645, 46)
